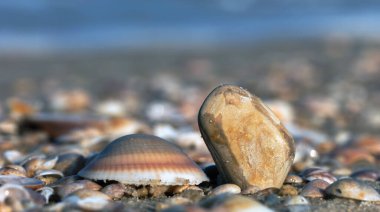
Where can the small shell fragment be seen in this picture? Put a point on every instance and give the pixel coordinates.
(249, 144)
(352, 189)
(140, 159)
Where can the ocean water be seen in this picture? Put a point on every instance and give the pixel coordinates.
(45, 26)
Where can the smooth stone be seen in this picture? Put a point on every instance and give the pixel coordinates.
(353, 189)
(249, 144)
(226, 188)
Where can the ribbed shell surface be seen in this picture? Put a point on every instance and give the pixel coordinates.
(140, 159)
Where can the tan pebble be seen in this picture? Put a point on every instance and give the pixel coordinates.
(239, 203)
(243, 135)
(226, 188)
(115, 191)
(293, 179)
(353, 189)
(250, 190)
(297, 200)
(314, 189)
(288, 190)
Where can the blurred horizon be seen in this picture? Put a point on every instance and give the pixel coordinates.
(43, 27)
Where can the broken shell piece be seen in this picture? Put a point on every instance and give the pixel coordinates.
(144, 160)
(249, 144)
(352, 189)
(24, 181)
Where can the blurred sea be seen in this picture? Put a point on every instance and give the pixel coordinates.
(45, 26)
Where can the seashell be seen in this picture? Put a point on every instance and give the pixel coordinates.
(226, 188)
(39, 163)
(297, 200)
(48, 176)
(353, 189)
(46, 192)
(318, 173)
(14, 191)
(70, 163)
(56, 125)
(314, 189)
(67, 188)
(14, 170)
(249, 144)
(140, 159)
(87, 199)
(115, 191)
(239, 203)
(24, 181)
(366, 174)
